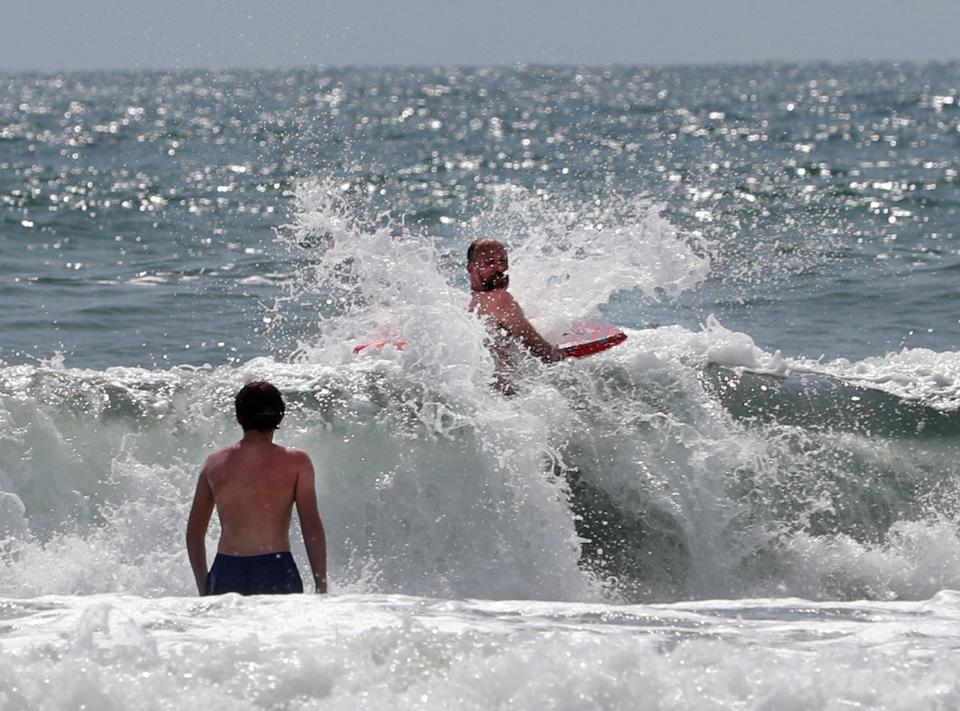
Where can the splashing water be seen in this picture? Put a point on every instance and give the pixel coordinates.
(677, 465)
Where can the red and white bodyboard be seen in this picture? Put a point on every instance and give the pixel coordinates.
(588, 337)
(580, 340)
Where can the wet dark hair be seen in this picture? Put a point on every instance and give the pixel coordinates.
(259, 406)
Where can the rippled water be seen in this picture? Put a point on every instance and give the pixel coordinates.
(825, 195)
(754, 502)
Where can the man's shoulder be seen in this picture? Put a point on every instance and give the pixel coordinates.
(498, 300)
(217, 464)
(297, 456)
(217, 458)
(502, 296)
(294, 452)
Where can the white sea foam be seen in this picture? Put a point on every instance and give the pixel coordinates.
(914, 374)
(916, 559)
(382, 652)
(918, 374)
(560, 253)
(432, 484)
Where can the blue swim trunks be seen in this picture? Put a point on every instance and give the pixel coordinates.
(270, 574)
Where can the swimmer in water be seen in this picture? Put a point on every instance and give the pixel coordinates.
(254, 485)
(487, 265)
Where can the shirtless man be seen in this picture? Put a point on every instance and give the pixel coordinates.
(254, 485)
(487, 266)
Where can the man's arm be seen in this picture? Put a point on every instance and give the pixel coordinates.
(197, 529)
(509, 316)
(314, 537)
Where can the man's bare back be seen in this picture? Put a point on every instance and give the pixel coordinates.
(254, 485)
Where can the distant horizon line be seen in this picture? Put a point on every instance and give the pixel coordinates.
(730, 64)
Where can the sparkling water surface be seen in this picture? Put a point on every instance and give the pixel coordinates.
(825, 195)
(754, 502)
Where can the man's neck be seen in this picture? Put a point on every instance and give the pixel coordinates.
(257, 437)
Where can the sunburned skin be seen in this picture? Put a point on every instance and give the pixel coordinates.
(505, 319)
(254, 485)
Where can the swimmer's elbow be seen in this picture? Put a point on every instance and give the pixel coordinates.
(191, 537)
(196, 530)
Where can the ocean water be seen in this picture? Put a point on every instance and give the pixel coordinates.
(754, 502)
